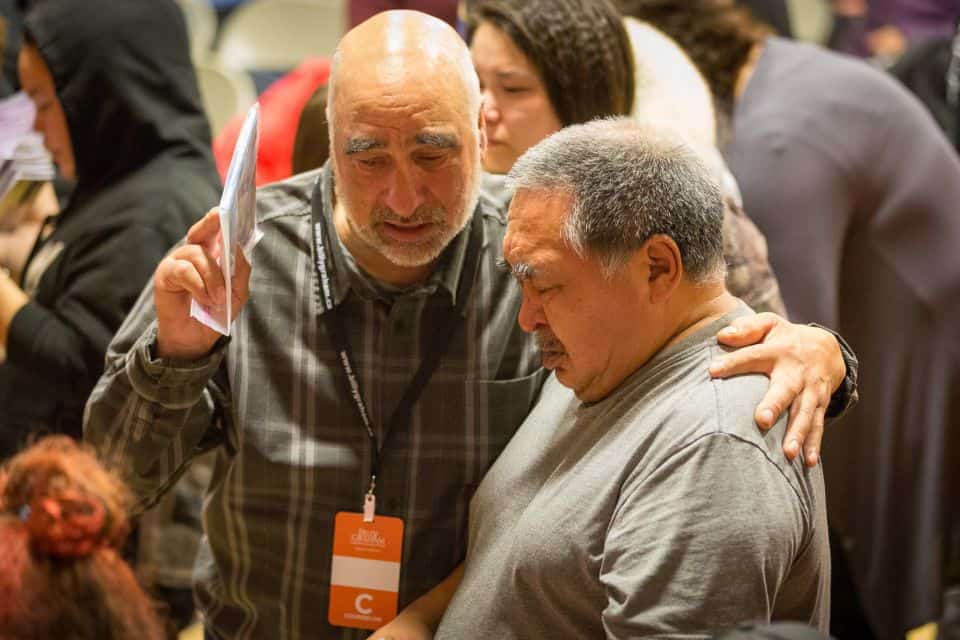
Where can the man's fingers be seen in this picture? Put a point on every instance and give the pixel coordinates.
(748, 329)
(206, 232)
(782, 392)
(811, 449)
(801, 421)
(189, 268)
(755, 359)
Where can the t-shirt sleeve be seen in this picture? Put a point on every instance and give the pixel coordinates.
(702, 543)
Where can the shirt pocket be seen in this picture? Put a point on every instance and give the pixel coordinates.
(501, 407)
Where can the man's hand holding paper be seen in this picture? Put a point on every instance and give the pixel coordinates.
(238, 221)
(190, 273)
(200, 287)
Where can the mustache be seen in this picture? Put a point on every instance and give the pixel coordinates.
(424, 214)
(546, 341)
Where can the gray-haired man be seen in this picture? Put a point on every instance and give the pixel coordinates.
(638, 499)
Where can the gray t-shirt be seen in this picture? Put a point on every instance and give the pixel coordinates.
(660, 511)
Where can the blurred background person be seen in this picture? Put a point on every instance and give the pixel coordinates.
(886, 29)
(855, 188)
(282, 109)
(547, 64)
(17, 240)
(311, 145)
(63, 519)
(118, 106)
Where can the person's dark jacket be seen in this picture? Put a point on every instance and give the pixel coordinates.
(145, 173)
(10, 38)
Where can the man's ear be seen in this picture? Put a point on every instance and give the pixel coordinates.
(665, 266)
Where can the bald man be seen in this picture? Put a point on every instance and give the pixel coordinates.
(376, 370)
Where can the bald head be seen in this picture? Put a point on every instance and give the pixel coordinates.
(404, 51)
(406, 137)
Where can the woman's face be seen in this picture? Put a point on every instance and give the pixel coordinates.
(37, 82)
(515, 101)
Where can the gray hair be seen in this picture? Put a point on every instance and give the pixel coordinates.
(629, 182)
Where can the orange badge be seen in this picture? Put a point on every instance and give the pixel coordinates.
(365, 578)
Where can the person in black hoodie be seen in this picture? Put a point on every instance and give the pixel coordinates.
(118, 104)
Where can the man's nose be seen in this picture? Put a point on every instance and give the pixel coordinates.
(403, 195)
(530, 317)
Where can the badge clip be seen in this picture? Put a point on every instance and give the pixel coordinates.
(370, 501)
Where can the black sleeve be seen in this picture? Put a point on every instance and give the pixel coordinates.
(846, 395)
(62, 336)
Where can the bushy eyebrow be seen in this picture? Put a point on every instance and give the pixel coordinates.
(439, 140)
(359, 145)
(521, 271)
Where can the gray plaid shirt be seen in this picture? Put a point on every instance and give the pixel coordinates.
(297, 451)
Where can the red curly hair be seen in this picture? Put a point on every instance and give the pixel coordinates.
(62, 519)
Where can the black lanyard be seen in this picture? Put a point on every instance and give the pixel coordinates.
(435, 349)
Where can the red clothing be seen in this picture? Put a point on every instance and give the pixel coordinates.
(280, 108)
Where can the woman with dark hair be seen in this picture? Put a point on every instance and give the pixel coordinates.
(574, 65)
(856, 189)
(62, 521)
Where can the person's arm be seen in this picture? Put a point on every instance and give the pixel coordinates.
(708, 540)
(420, 619)
(152, 406)
(806, 365)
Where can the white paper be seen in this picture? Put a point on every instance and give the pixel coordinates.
(238, 220)
(24, 163)
(17, 114)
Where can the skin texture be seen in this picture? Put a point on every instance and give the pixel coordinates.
(406, 153)
(37, 82)
(516, 106)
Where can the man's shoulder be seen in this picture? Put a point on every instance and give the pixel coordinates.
(681, 406)
(290, 198)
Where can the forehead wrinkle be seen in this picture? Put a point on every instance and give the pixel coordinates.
(400, 108)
